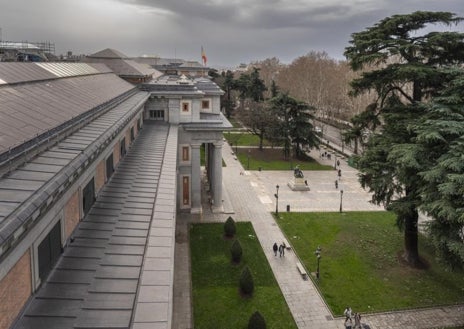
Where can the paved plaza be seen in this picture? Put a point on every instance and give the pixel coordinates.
(249, 196)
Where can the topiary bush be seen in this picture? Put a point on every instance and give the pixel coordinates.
(229, 227)
(236, 251)
(246, 281)
(256, 321)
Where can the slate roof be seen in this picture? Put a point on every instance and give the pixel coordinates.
(108, 53)
(121, 64)
(27, 190)
(97, 279)
(37, 97)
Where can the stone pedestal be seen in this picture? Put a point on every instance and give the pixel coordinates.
(298, 184)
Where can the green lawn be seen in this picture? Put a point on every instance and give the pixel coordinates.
(360, 267)
(272, 159)
(243, 139)
(217, 302)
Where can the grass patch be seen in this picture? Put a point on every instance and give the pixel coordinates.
(359, 265)
(243, 139)
(273, 159)
(215, 279)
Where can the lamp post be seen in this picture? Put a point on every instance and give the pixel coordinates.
(318, 256)
(335, 161)
(277, 199)
(248, 159)
(341, 199)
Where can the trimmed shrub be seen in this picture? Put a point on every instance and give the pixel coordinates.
(256, 321)
(229, 227)
(236, 251)
(246, 281)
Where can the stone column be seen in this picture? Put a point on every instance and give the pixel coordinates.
(196, 179)
(216, 183)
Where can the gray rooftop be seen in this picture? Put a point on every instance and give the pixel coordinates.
(25, 190)
(37, 97)
(97, 279)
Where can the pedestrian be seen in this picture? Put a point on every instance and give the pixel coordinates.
(338, 163)
(357, 321)
(336, 184)
(280, 250)
(283, 248)
(275, 248)
(339, 173)
(347, 313)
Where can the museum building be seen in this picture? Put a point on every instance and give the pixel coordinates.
(94, 167)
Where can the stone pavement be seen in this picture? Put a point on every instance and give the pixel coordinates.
(249, 196)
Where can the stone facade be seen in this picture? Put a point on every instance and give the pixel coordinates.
(15, 289)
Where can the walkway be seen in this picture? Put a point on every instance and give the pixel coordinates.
(250, 197)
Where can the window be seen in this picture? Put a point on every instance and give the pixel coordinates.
(88, 196)
(157, 115)
(185, 153)
(49, 251)
(185, 107)
(205, 105)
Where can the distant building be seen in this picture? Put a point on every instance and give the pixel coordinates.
(123, 66)
(175, 66)
(25, 51)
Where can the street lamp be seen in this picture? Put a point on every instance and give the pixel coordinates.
(318, 256)
(341, 199)
(248, 158)
(277, 199)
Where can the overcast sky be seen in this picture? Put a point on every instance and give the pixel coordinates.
(231, 32)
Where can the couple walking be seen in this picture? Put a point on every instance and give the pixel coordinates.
(349, 321)
(280, 248)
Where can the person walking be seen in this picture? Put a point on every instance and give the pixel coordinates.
(283, 248)
(339, 174)
(347, 313)
(357, 321)
(274, 247)
(280, 250)
(336, 184)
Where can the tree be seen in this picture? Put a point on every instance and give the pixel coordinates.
(361, 124)
(409, 72)
(440, 135)
(257, 117)
(256, 321)
(236, 251)
(228, 85)
(229, 227)
(294, 124)
(247, 285)
(256, 87)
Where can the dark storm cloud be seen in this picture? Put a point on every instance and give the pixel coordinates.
(231, 31)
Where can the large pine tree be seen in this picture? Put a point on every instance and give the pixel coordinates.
(408, 71)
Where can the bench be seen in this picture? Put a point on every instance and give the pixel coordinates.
(301, 270)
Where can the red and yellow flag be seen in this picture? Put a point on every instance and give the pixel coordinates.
(203, 56)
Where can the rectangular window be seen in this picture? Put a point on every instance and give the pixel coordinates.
(157, 114)
(205, 105)
(49, 251)
(185, 107)
(185, 153)
(88, 196)
(185, 191)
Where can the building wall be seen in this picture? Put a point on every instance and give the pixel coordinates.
(71, 214)
(100, 176)
(128, 139)
(19, 270)
(116, 154)
(15, 289)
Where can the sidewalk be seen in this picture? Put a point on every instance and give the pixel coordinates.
(250, 198)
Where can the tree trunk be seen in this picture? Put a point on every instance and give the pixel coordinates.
(261, 137)
(411, 250)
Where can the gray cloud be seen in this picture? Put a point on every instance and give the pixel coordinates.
(231, 31)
